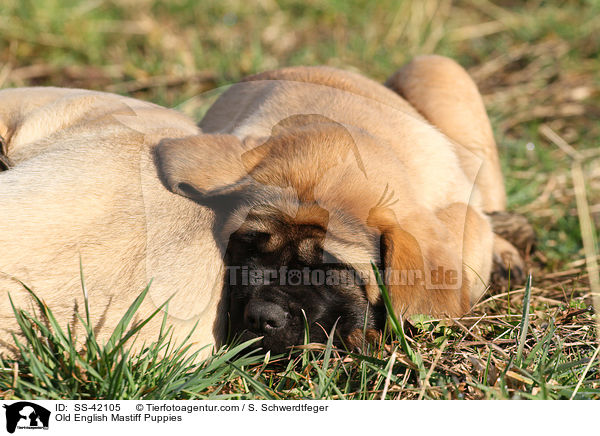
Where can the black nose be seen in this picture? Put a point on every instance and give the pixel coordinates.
(263, 316)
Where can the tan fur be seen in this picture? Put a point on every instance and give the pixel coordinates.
(85, 185)
(318, 145)
(443, 92)
(419, 172)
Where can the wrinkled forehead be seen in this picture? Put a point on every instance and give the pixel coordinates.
(280, 212)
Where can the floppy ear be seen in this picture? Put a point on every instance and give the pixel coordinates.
(206, 166)
(422, 264)
(200, 165)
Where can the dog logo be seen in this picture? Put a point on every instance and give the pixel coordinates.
(26, 415)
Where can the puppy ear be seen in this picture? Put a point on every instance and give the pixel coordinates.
(422, 265)
(205, 166)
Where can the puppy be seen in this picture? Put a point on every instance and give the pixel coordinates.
(80, 185)
(265, 220)
(314, 174)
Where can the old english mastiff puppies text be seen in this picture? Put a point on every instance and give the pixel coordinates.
(313, 173)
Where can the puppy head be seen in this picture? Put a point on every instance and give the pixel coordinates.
(281, 277)
(299, 231)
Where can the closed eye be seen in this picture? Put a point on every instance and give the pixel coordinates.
(254, 236)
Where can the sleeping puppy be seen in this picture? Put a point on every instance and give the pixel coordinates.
(264, 221)
(313, 174)
(80, 185)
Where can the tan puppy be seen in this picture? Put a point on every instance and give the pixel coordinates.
(83, 185)
(299, 180)
(313, 171)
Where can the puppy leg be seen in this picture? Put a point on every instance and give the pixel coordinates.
(442, 91)
(508, 266)
(514, 241)
(514, 228)
(472, 232)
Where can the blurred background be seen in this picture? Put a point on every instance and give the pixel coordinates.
(536, 64)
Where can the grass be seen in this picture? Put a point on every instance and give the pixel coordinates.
(54, 366)
(420, 365)
(536, 65)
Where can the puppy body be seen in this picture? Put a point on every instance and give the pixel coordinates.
(292, 168)
(402, 181)
(84, 186)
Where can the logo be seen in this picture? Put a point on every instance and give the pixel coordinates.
(26, 415)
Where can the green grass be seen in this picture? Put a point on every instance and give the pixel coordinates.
(536, 65)
(54, 366)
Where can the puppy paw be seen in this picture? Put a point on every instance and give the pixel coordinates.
(515, 229)
(508, 265)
